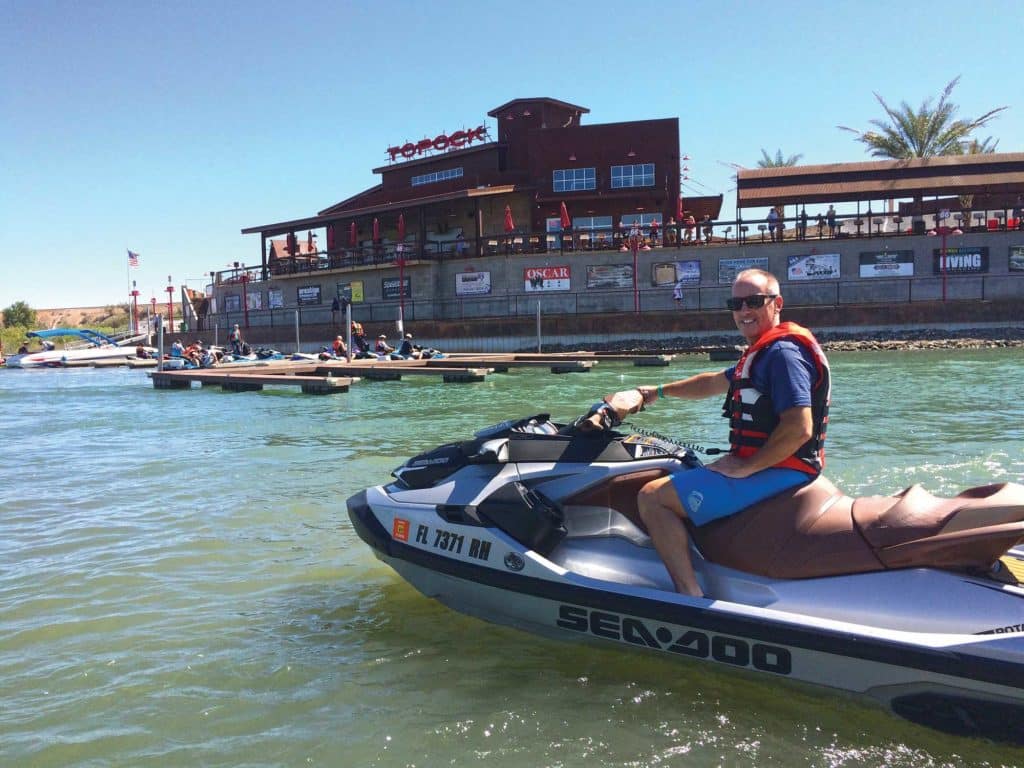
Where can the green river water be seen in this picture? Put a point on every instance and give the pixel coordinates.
(180, 584)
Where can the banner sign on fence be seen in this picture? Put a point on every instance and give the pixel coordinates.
(663, 273)
(472, 283)
(1017, 258)
(232, 302)
(609, 276)
(275, 298)
(818, 266)
(352, 291)
(688, 272)
(887, 264)
(308, 294)
(389, 288)
(967, 260)
(729, 268)
(546, 279)
(255, 299)
(676, 273)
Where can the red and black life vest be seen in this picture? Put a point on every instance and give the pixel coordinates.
(752, 416)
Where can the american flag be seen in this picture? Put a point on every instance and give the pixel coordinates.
(133, 259)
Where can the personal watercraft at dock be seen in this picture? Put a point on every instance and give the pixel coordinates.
(907, 599)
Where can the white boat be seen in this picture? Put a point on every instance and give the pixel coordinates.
(92, 346)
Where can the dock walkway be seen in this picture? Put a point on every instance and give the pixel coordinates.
(336, 376)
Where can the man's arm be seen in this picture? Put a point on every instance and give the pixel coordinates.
(695, 387)
(794, 429)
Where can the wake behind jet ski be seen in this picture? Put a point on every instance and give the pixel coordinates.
(906, 599)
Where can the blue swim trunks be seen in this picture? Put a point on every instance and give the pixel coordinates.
(708, 495)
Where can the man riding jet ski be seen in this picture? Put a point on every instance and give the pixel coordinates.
(583, 532)
(777, 403)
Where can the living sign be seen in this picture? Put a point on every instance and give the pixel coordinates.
(439, 143)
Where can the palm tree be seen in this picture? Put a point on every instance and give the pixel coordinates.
(975, 147)
(778, 161)
(926, 132)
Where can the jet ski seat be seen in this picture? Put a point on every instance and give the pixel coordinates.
(972, 529)
(816, 530)
(618, 493)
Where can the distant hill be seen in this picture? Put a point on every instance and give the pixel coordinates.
(109, 316)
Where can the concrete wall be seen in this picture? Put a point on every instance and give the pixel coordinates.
(434, 294)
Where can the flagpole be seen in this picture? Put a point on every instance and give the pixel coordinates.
(128, 277)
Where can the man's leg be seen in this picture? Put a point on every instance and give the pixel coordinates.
(662, 513)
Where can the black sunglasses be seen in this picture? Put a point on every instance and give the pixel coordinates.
(756, 301)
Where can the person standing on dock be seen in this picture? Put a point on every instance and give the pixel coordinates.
(777, 399)
(235, 339)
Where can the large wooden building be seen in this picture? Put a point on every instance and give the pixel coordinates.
(547, 182)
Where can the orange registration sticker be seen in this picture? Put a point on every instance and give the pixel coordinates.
(400, 529)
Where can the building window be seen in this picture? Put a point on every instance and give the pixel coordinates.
(624, 176)
(643, 220)
(592, 223)
(574, 179)
(430, 178)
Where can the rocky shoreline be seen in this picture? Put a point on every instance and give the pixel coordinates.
(836, 341)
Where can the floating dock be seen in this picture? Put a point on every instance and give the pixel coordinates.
(336, 376)
(250, 381)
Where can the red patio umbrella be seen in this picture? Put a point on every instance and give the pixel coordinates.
(330, 237)
(566, 221)
(309, 241)
(376, 229)
(509, 224)
(401, 227)
(353, 237)
(679, 209)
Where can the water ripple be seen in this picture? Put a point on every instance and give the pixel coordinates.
(180, 584)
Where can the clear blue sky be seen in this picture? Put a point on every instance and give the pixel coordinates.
(166, 127)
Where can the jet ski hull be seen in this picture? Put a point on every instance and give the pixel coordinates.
(961, 683)
(534, 526)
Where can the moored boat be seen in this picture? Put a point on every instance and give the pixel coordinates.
(91, 346)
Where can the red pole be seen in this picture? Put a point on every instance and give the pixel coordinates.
(635, 244)
(135, 311)
(245, 298)
(401, 286)
(944, 229)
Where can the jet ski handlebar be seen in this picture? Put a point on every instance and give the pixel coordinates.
(610, 411)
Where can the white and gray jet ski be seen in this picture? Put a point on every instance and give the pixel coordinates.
(908, 599)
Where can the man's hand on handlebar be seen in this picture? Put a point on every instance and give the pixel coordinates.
(610, 412)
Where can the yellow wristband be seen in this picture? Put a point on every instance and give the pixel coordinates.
(661, 392)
